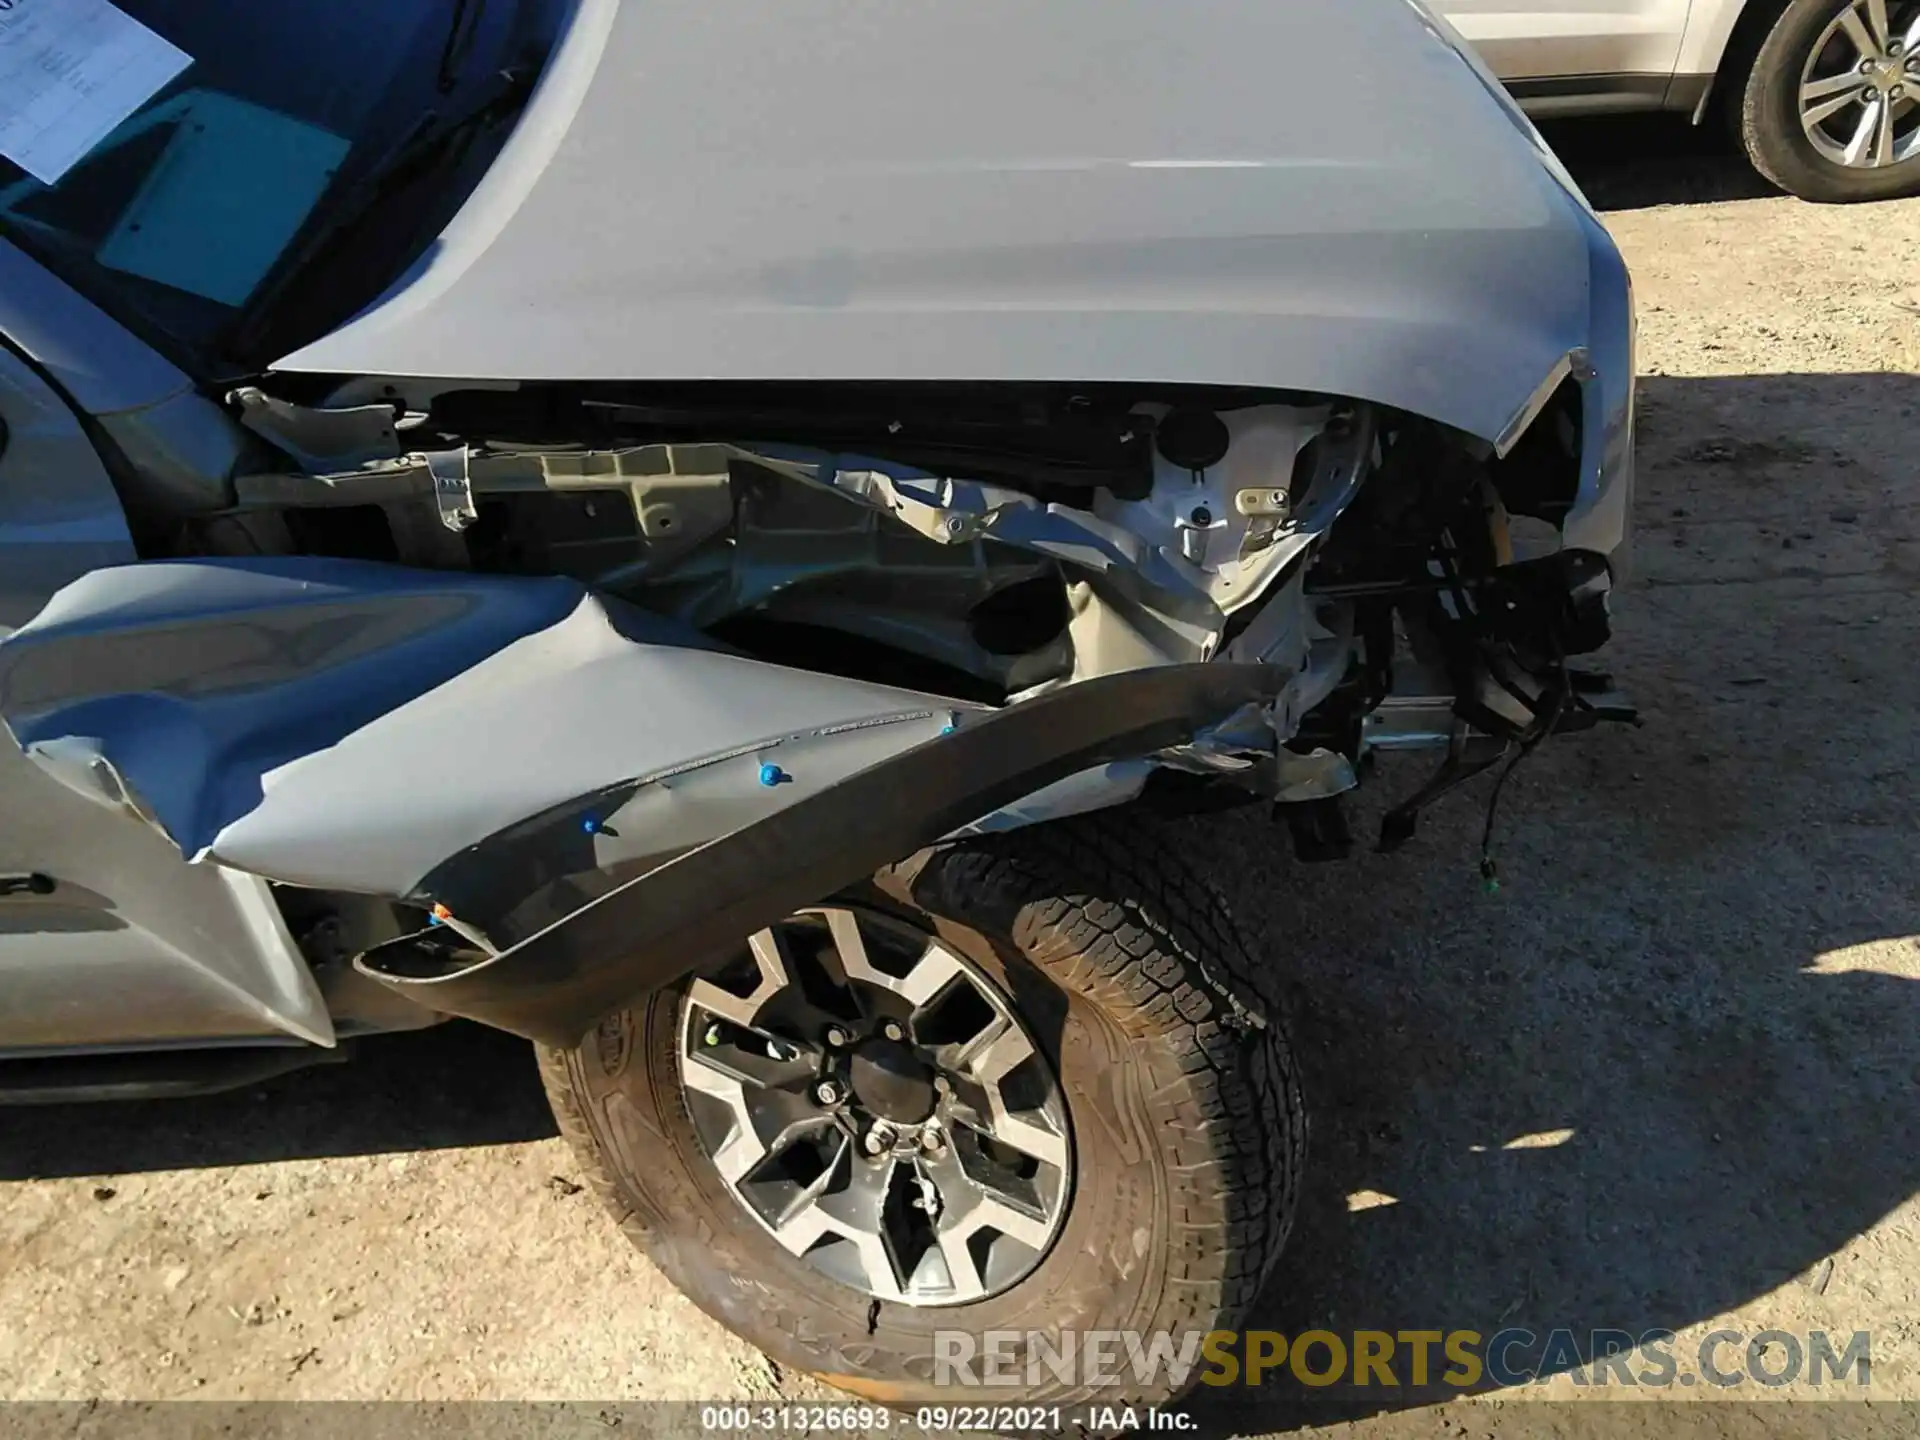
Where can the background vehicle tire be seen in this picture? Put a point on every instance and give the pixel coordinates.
(1171, 1054)
(1831, 108)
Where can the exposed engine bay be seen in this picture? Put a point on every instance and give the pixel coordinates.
(996, 542)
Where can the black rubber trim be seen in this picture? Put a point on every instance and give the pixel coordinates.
(1688, 94)
(1651, 88)
(556, 985)
(155, 1074)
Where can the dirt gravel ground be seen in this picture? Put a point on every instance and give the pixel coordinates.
(1667, 1077)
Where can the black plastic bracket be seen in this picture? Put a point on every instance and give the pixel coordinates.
(1319, 829)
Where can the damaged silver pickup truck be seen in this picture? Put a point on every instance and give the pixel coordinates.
(654, 527)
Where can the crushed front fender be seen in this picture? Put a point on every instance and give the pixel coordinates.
(350, 726)
(654, 929)
(590, 799)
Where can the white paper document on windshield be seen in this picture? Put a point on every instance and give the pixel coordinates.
(70, 71)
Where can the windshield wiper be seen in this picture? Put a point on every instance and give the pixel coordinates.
(461, 32)
(432, 148)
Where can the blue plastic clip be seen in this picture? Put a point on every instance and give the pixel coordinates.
(771, 775)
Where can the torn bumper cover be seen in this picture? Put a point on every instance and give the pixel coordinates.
(556, 984)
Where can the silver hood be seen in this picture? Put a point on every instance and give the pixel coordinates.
(1303, 194)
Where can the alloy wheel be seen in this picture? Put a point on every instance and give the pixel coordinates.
(1860, 88)
(872, 1099)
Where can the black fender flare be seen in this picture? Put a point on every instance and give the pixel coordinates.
(658, 927)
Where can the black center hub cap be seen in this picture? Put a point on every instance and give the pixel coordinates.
(889, 1080)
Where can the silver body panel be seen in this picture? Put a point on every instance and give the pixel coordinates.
(1589, 57)
(132, 948)
(97, 363)
(1595, 57)
(1125, 191)
(184, 444)
(348, 726)
(1566, 39)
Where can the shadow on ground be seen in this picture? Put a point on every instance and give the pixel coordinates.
(1648, 1081)
(1671, 1066)
(1632, 162)
(458, 1085)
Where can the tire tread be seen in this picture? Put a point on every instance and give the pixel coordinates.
(1115, 913)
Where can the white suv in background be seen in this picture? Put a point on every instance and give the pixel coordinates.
(1824, 94)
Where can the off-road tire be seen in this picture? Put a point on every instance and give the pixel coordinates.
(1766, 119)
(1166, 1031)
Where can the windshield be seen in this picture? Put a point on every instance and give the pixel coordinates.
(188, 221)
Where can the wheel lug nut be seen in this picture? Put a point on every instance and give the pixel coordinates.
(893, 1031)
(873, 1142)
(827, 1093)
(838, 1038)
(942, 1084)
(932, 1141)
